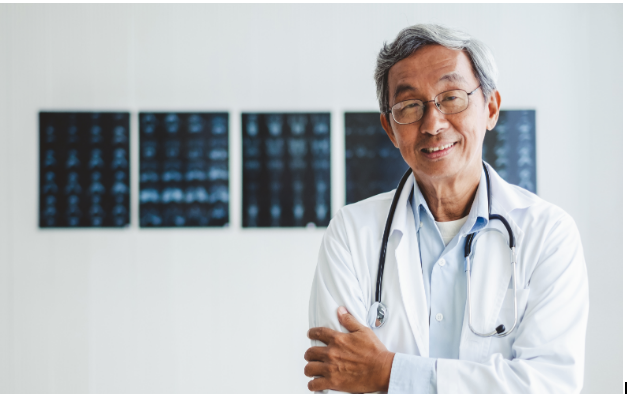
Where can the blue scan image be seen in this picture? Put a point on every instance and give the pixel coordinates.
(218, 172)
(50, 187)
(151, 218)
(195, 124)
(189, 152)
(283, 154)
(95, 134)
(511, 148)
(172, 149)
(119, 159)
(149, 172)
(119, 135)
(174, 217)
(219, 125)
(172, 123)
(196, 171)
(72, 186)
(72, 159)
(172, 171)
(149, 196)
(95, 159)
(373, 164)
(96, 186)
(172, 194)
(148, 123)
(96, 212)
(120, 184)
(80, 155)
(49, 134)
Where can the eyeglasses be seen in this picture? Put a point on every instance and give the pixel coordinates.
(448, 103)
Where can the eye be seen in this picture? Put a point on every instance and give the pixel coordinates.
(450, 98)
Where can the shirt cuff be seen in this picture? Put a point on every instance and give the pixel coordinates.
(412, 375)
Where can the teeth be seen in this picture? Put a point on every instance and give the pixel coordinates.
(439, 148)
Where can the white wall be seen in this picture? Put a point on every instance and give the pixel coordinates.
(225, 310)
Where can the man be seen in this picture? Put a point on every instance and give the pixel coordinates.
(437, 93)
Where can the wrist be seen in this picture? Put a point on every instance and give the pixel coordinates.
(386, 370)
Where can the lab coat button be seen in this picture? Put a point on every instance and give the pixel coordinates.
(439, 317)
(441, 262)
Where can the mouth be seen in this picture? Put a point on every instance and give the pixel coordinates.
(438, 151)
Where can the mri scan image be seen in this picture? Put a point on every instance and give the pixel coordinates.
(84, 169)
(374, 165)
(184, 176)
(510, 148)
(286, 169)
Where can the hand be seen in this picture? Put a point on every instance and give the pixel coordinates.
(352, 362)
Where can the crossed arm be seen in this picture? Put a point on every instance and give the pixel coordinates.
(356, 361)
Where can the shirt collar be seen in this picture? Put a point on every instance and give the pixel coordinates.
(477, 217)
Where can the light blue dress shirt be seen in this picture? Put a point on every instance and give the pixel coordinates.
(445, 289)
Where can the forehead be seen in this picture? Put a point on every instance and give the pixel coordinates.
(431, 68)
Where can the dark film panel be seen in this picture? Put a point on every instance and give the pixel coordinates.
(84, 169)
(373, 164)
(511, 147)
(184, 169)
(286, 169)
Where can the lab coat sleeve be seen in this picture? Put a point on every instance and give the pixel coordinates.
(335, 282)
(548, 351)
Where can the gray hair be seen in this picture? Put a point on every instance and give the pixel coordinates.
(414, 37)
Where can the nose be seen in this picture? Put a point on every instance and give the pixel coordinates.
(433, 121)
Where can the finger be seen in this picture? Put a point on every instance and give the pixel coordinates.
(316, 368)
(348, 320)
(316, 353)
(318, 384)
(322, 334)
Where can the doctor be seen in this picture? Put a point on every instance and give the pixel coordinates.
(437, 93)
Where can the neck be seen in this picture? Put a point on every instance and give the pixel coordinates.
(451, 198)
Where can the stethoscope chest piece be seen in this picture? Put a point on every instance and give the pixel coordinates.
(377, 315)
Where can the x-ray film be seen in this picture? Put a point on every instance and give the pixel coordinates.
(286, 169)
(373, 164)
(184, 169)
(511, 147)
(84, 169)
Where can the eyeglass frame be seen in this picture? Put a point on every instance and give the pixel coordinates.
(434, 103)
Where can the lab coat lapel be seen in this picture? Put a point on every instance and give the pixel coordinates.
(407, 259)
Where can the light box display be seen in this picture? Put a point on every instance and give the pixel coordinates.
(84, 169)
(286, 169)
(374, 165)
(184, 169)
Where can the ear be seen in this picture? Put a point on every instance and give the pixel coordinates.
(494, 105)
(388, 128)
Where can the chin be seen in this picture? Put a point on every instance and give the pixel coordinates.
(439, 169)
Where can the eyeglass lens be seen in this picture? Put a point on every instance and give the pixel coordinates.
(450, 102)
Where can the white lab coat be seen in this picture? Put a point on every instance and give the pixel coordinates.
(545, 353)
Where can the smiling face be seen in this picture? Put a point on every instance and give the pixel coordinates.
(440, 147)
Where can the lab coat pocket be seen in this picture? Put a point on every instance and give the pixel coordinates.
(503, 345)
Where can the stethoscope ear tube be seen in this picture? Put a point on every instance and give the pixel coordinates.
(386, 233)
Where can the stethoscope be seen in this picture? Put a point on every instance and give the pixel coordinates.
(378, 313)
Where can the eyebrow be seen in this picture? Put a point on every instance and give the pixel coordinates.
(401, 89)
(452, 77)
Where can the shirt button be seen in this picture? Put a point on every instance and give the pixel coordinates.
(421, 224)
(439, 317)
(441, 262)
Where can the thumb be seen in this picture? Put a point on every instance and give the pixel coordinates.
(347, 320)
